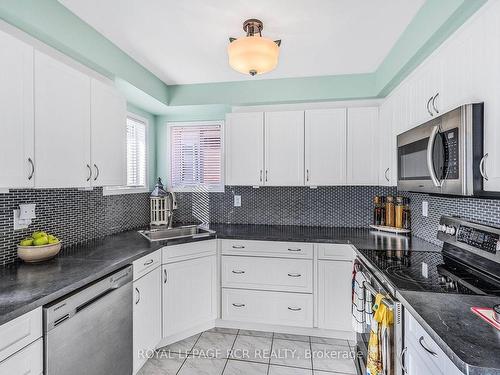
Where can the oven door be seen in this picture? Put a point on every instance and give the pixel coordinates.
(430, 156)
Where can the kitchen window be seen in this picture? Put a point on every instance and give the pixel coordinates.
(196, 156)
(137, 157)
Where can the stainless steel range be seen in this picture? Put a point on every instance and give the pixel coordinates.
(468, 263)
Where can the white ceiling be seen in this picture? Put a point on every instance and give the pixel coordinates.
(185, 41)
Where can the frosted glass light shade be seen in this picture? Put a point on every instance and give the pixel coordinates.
(253, 55)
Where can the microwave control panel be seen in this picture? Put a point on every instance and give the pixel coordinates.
(451, 162)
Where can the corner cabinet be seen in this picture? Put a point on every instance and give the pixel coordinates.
(325, 146)
(284, 148)
(16, 113)
(363, 146)
(244, 141)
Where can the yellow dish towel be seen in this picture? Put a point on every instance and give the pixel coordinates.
(382, 318)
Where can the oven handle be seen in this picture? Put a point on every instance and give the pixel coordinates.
(430, 162)
(387, 301)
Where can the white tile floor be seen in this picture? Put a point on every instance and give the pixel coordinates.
(235, 352)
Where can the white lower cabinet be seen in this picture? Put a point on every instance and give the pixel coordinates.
(27, 361)
(147, 315)
(334, 295)
(189, 294)
(259, 306)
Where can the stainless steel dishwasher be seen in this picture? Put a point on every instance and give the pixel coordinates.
(89, 332)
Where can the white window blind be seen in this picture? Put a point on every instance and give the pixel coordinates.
(196, 157)
(136, 153)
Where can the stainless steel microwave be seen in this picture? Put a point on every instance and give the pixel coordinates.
(444, 155)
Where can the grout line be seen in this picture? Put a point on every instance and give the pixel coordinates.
(270, 354)
(232, 347)
(188, 353)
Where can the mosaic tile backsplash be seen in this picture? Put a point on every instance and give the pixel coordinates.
(73, 215)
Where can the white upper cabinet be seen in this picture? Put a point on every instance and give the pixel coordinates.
(387, 147)
(363, 146)
(108, 135)
(325, 147)
(244, 148)
(284, 148)
(62, 125)
(16, 113)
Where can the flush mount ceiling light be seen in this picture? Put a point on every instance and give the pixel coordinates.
(253, 54)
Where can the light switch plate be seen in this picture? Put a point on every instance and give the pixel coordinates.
(237, 201)
(18, 223)
(425, 208)
(425, 270)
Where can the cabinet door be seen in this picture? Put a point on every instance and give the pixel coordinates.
(189, 294)
(334, 295)
(325, 147)
(362, 146)
(62, 125)
(416, 365)
(387, 145)
(109, 135)
(284, 145)
(29, 360)
(16, 113)
(245, 149)
(147, 315)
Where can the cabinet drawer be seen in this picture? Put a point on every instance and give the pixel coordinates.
(27, 361)
(146, 264)
(268, 248)
(292, 275)
(335, 251)
(189, 250)
(19, 332)
(422, 343)
(292, 309)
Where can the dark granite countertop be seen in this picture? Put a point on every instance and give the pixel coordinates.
(24, 287)
(472, 344)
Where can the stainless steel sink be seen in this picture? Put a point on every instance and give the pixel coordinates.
(163, 234)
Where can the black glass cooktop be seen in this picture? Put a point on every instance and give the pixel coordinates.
(432, 272)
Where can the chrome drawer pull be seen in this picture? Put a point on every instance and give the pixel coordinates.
(295, 249)
(149, 262)
(238, 272)
(238, 305)
(294, 308)
(421, 341)
(294, 274)
(238, 247)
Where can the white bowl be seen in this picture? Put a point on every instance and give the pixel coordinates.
(33, 254)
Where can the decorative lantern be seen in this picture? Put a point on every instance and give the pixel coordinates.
(160, 210)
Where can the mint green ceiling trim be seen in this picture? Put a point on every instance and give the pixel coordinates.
(286, 90)
(424, 34)
(53, 24)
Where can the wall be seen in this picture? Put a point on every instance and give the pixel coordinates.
(340, 206)
(72, 215)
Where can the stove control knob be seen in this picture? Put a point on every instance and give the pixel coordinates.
(442, 228)
(451, 230)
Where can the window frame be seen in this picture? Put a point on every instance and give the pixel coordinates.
(118, 190)
(195, 189)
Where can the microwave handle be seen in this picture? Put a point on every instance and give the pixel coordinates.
(430, 162)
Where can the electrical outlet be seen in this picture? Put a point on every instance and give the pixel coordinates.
(237, 201)
(425, 270)
(425, 208)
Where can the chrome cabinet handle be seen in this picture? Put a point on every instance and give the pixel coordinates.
(401, 360)
(238, 272)
(307, 175)
(138, 296)
(238, 247)
(434, 103)
(385, 174)
(238, 305)
(294, 274)
(97, 172)
(297, 249)
(428, 103)
(164, 276)
(421, 342)
(90, 173)
(32, 168)
(481, 167)
(149, 262)
(294, 308)
(261, 175)
(266, 175)
(430, 162)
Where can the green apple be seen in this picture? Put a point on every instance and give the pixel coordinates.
(53, 239)
(27, 242)
(40, 241)
(38, 234)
